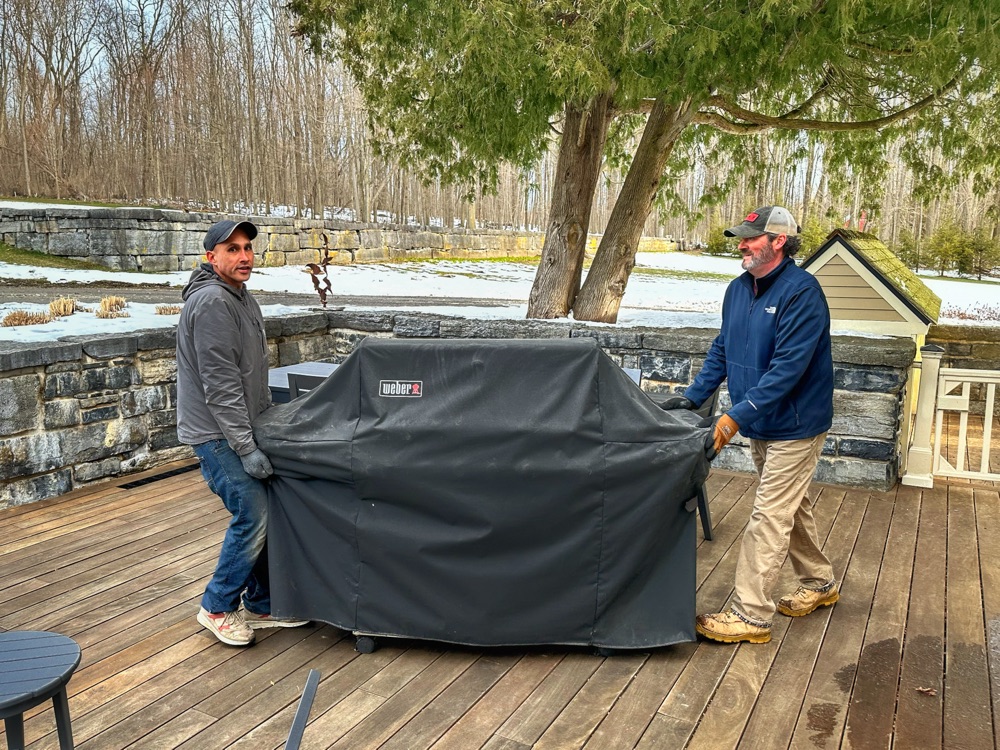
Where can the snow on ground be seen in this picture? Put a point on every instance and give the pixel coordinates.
(678, 290)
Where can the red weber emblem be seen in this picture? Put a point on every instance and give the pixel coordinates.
(752, 216)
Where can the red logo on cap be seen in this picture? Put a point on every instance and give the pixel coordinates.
(752, 216)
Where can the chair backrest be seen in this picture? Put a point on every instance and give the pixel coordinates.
(302, 712)
(299, 383)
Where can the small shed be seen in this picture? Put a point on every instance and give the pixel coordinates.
(869, 289)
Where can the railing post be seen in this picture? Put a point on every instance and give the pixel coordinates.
(919, 458)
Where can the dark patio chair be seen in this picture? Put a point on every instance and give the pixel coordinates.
(707, 409)
(302, 712)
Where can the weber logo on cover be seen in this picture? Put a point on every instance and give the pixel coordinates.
(401, 388)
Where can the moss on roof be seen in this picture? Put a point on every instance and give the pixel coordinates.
(901, 279)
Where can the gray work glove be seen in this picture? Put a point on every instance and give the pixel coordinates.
(256, 464)
(677, 402)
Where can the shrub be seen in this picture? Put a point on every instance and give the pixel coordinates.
(25, 318)
(719, 244)
(112, 304)
(63, 306)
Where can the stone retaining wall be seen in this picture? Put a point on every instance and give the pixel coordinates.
(143, 239)
(970, 347)
(86, 409)
(974, 347)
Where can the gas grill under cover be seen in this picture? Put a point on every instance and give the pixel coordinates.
(484, 492)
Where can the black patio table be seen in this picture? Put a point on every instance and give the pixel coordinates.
(35, 666)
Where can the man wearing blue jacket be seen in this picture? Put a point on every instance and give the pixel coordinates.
(774, 351)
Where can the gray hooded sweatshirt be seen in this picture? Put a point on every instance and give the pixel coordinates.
(221, 363)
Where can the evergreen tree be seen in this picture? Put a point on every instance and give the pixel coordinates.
(984, 252)
(943, 248)
(454, 87)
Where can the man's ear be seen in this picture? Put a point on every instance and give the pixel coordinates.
(779, 242)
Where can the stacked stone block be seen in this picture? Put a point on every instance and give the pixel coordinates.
(973, 348)
(154, 240)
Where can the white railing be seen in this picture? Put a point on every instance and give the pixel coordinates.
(945, 390)
(954, 388)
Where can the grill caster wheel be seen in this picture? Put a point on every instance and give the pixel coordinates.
(365, 644)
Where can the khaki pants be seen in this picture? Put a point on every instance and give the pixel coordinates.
(781, 525)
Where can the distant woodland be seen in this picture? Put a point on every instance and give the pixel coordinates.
(190, 103)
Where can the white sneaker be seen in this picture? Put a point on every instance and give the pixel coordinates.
(228, 627)
(259, 622)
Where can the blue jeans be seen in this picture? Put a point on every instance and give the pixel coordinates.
(242, 566)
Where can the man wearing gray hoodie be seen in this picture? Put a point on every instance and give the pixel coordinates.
(222, 387)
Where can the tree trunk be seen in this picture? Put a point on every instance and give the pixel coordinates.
(602, 293)
(810, 173)
(557, 280)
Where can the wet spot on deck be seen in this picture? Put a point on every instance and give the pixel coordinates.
(845, 677)
(873, 702)
(822, 722)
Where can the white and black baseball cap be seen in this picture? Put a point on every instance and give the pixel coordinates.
(766, 220)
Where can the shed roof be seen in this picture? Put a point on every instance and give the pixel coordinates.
(881, 261)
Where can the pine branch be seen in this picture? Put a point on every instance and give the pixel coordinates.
(745, 121)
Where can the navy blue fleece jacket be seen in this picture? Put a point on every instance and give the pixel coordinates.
(774, 351)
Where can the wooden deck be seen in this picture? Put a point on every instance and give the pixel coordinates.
(907, 659)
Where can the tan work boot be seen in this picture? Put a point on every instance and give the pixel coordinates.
(729, 627)
(803, 601)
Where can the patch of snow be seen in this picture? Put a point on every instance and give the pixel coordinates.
(650, 299)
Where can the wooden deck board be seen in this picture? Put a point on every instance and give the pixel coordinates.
(772, 723)
(919, 711)
(910, 656)
(734, 701)
(967, 705)
(482, 720)
(871, 714)
(824, 710)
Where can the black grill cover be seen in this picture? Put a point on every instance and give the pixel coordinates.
(484, 492)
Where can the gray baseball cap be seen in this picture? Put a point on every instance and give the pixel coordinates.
(766, 220)
(221, 231)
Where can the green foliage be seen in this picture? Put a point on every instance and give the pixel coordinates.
(454, 88)
(944, 248)
(719, 244)
(814, 234)
(985, 254)
(908, 251)
(950, 248)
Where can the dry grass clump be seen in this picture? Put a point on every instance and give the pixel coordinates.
(112, 314)
(113, 304)
(112, 307)
(168, 309)
(63, 306)
(25, 318)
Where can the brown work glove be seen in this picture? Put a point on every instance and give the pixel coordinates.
(723, 429)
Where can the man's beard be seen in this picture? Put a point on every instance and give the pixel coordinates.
(765, 256)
